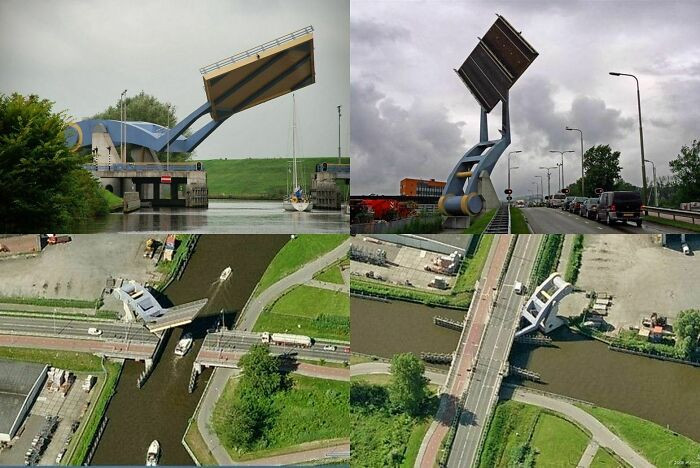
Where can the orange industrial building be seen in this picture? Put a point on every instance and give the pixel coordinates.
(421, 187)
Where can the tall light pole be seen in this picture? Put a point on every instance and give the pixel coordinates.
(563, 184)
(641, 134)
(559, 170)
(509, 168)
(656, 187)
(541, 187)
(339, 134)
(583, 187)
(123, 126)
(537, 190)
(549, 175)
(167, 151)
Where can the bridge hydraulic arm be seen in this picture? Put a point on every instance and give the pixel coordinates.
(183, 125)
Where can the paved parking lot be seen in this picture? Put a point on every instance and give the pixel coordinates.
(78, 269)
(643, 277)
(70, 408)
(407, 264)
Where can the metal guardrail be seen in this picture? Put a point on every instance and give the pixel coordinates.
(171, 167)
(256, 50)
(692, 215)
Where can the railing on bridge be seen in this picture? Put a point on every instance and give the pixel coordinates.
(691, 215)
(256, 50)
(147, 166)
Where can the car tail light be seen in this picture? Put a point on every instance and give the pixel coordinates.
(613, 208)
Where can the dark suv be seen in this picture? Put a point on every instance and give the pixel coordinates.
(620, 206)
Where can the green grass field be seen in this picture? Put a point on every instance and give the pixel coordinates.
(604, 459)
(332, 274)
(257, 179)
(320, 313)
(525, 435)
(114, 202)
(78, 362)
(657, 444)
(198, 446)
(311, 410)
(518, 225)
(673, 223)
(49, 302)
(480, 224)
(471, 273)
(295, 253)
(557, 442)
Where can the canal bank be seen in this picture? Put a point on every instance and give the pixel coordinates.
(582, 368)
(162, 408)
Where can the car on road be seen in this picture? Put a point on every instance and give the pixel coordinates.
(686, 249)
(94, 331)
(567, 202)
(329, 348)
(620, 206)
(518, 287)
(590, 208)
(557, 200)
(575, 205)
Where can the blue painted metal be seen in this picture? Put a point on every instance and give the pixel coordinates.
(146, 134)
(172, 167)
(458, 200)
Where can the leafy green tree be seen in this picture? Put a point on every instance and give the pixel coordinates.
(146, 108)
(408, 388)
(261, 371)
(602, 168)
(686, 170)
(687, 328)
(42, 184)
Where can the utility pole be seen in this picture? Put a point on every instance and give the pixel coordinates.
(123, 126)
(549, 176)
(641, 133)
(339, 134)
(167, 151)
(583, 188)
(541, 187)
(656, 187)
(563, 183)
(509, 168)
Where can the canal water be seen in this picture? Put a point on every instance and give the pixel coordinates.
(224, 217)
(162, 407)
(388, 328)
(579, 367)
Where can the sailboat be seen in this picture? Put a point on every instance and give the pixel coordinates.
(297, 200)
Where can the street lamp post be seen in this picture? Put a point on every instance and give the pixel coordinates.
(339, 134)
(559, 169)
(541, 188)
(549, 175)
(641, 134)
(123, 126)
(563, 184)
(656, 187)
(583, 185)
(509, 168)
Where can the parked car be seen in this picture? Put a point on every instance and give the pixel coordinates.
(567, 202)
(620, 206)
(575, 204)
(590, 208)
(557, 200)
(94, 331)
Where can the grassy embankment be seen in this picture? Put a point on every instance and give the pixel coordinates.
(660, 446)
(672, 223)
(295, 253)
(49, 302)
(257, 179)
(460, 295)
(423, 224)
(574, 265)
(306, 310)
(381, 437)
(547, 259)
(313, 413)
(76, 362)
(525, 435)
(333, 273)
(114, 202)
(518, 225)
(480, 223)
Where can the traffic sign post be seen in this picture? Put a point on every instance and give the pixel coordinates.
(509, 198)
(166, 179)
(598, 191)
(565, 191)
(508, 191)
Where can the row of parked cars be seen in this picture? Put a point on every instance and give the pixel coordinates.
(609, 208)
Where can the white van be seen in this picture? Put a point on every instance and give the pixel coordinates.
(94, 331)
(518, 287)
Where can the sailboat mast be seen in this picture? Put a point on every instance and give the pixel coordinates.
(294, 132)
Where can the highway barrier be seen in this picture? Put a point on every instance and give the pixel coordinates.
(693, 216)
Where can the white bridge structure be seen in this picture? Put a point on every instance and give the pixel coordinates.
(540, 311)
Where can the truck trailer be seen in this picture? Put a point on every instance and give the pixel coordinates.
(286, 339)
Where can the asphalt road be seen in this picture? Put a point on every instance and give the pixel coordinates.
(75, 329)
(492, 355)
(555, 221)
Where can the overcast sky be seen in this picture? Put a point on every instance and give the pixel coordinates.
(413, 117)
(83, 54)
